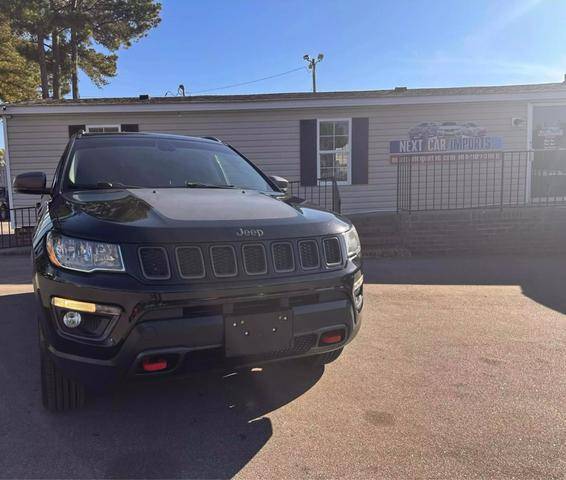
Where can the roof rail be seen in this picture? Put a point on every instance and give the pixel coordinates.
(214, 139)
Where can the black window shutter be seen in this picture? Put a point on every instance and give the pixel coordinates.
(360, 150)
(130, 127)
(75, 129)
(308, 152)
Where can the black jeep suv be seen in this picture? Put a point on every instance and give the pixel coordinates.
(160, 254)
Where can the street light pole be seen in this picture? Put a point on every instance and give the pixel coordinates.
(312, 67)
(314, 77)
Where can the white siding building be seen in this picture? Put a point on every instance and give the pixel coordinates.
(354, 136)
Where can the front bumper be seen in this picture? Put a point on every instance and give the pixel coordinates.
(188, 325)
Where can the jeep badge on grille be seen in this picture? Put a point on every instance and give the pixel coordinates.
(250, 232)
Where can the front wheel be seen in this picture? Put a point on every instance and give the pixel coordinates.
(58, 393)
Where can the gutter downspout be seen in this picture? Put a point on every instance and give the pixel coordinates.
(4, 119)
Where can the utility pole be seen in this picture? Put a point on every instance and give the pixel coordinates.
(312, 67)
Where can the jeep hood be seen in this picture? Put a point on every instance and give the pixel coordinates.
(177, 215)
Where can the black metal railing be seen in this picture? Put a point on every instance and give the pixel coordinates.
(495, 179)
(325, 193)
(16, 226)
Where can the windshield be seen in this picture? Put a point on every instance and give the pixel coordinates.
(138, 162)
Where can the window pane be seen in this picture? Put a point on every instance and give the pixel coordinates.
(341, 174)
(326, 143)
(341, 159)
(326, 173)
(103, 129)
(326, 128)
(341, 128)
(327, 160)
(341, 141)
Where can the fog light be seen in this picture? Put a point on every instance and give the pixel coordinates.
(72, 319)
(358, 293)
(84, 319)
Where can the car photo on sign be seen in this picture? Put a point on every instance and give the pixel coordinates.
(426, 130)
(473, 130)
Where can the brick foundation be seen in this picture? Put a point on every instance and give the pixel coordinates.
(494, 231)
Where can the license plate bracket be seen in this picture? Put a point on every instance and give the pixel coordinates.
(257, 333)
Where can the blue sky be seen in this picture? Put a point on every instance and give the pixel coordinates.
(368, 44)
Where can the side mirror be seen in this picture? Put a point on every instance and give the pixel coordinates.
(280, 182)
(31, 182)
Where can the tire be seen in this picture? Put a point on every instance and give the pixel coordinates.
(321, 359)
(58, 393)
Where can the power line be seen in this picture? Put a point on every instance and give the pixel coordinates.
(251, 81)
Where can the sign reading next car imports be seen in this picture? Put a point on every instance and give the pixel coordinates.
(436, 137)
(436, 144)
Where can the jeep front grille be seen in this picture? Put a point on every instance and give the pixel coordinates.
(190, 262)
(154, 263)
(308, 251)
(240, 259)
(224, 261)
(255, 261)
(283, 259)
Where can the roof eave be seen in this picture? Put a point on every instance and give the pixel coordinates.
(275, 104)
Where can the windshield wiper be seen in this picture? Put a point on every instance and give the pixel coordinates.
(102, 186)
(205, 185)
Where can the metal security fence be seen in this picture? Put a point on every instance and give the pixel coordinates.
(16, 227)
(325, 193)
(495, 179)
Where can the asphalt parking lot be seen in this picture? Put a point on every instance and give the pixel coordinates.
(459, 371)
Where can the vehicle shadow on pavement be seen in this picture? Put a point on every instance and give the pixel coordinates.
(209, 425)
(541, 278)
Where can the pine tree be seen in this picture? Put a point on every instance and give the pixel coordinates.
(62, 37)
(19, 77)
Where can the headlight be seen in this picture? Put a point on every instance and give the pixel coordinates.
(83, 255)
(353, 246)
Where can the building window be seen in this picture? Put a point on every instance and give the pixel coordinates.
(334, 149)
(103, 129)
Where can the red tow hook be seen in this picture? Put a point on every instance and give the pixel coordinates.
(329, 338)
(150, 364)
